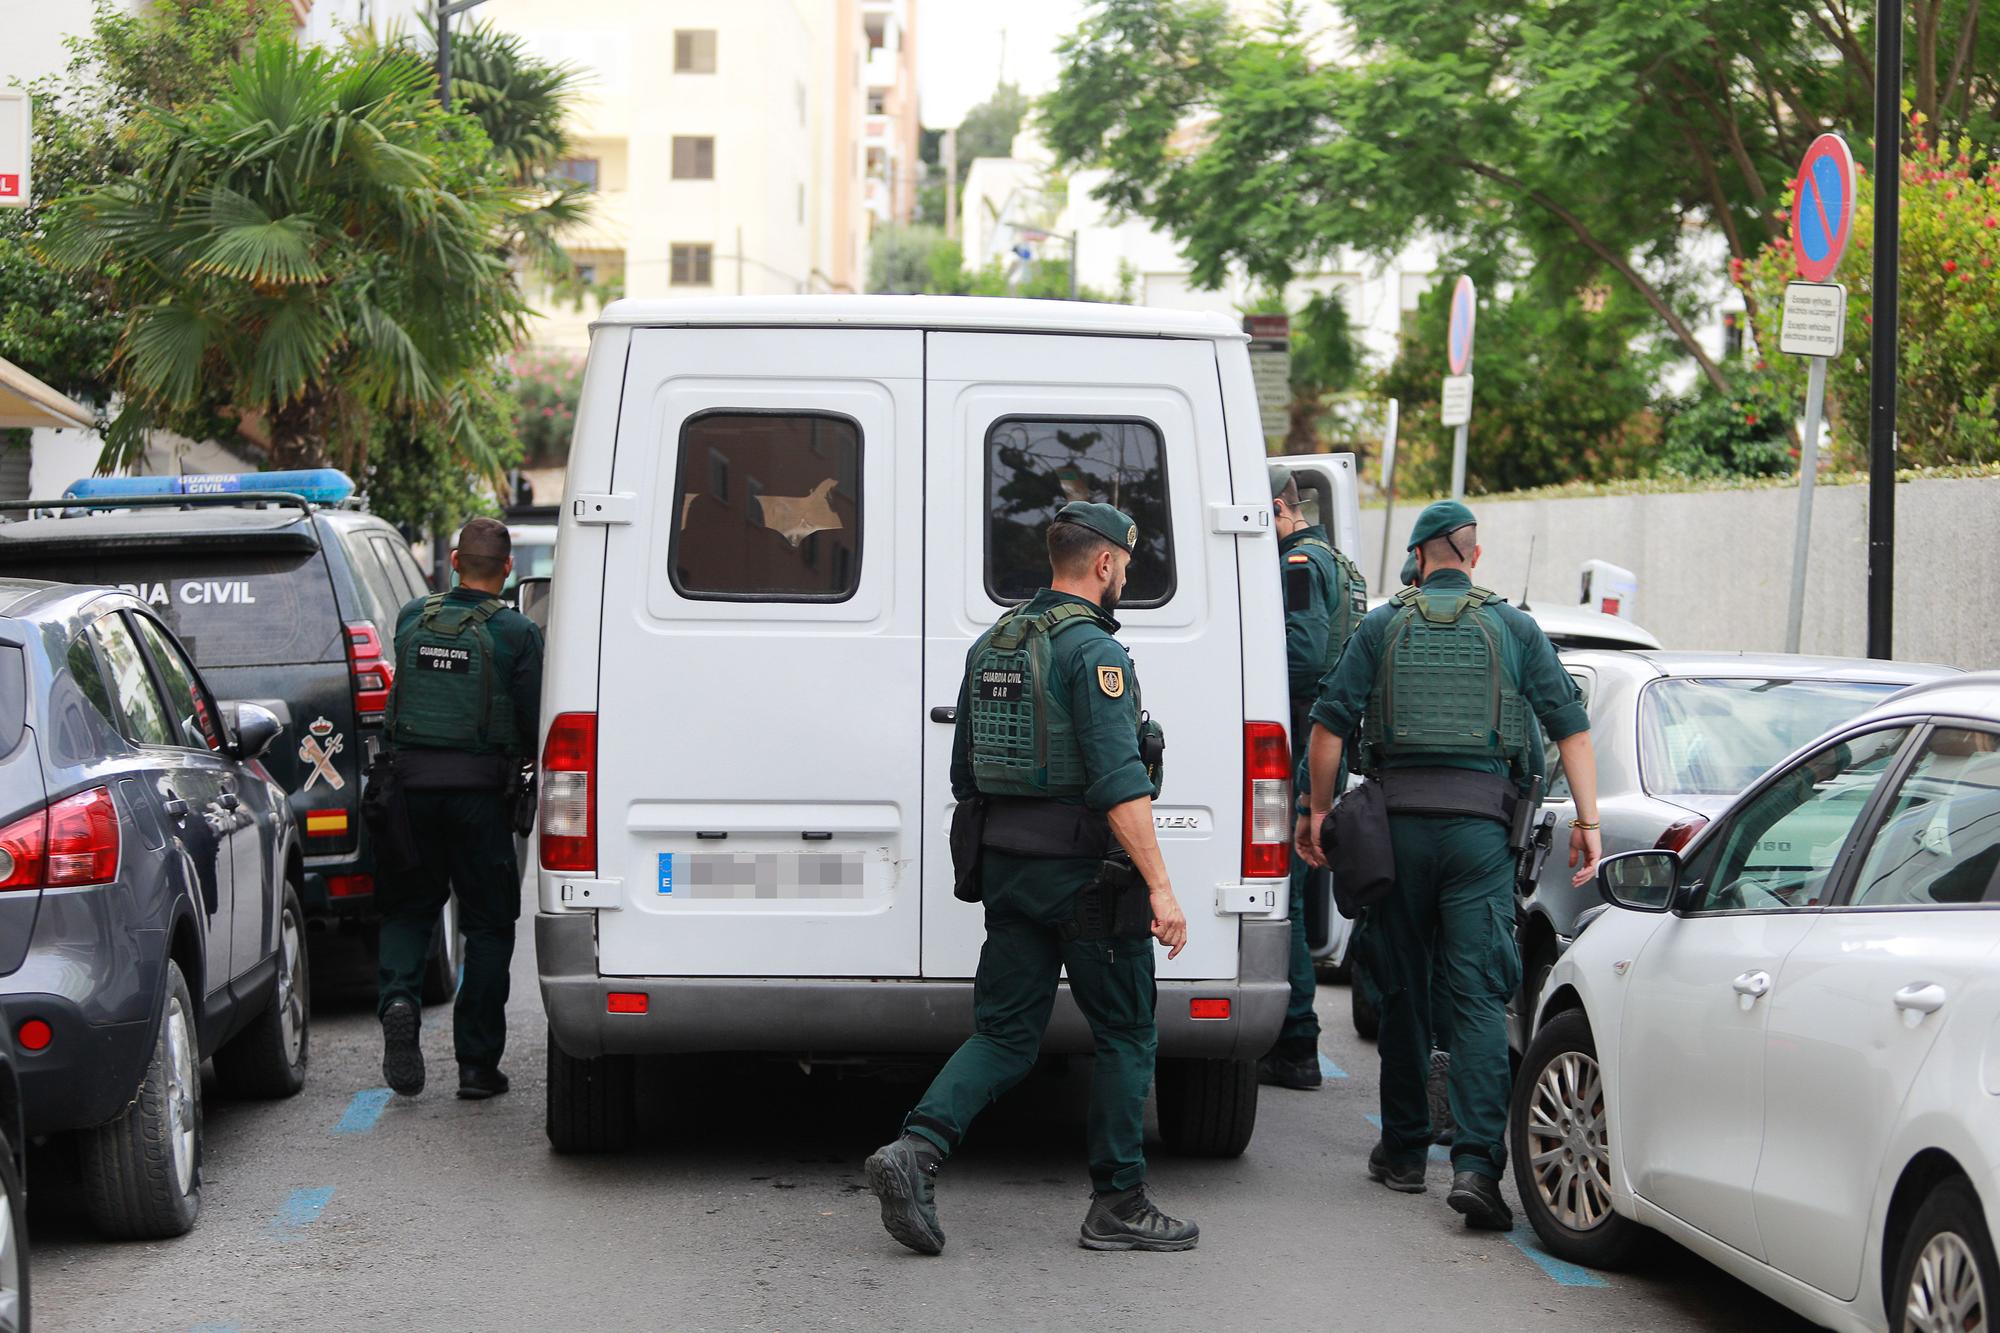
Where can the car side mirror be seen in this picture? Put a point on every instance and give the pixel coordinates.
(1647, 881)
(531, 598)
(257, 729)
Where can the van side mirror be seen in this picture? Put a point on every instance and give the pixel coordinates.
(257, 729)
(1645, 881)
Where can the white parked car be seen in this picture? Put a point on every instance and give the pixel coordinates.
(1781, 1047)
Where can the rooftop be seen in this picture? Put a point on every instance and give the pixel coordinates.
(923, 312)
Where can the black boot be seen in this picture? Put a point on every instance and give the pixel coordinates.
(1437, 1089)
(402, 1058)
(1292, 1064)
(1402, 1179)
(904, 1177)
(1127, 1220)
(478, 1082)
(1478, 1198)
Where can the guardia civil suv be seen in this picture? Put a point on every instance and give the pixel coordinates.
(285, 591)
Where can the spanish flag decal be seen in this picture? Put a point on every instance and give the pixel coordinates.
(326, 823)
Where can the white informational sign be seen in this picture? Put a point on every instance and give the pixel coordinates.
(1393, 424)
(1815, 322)
(15, 188)
(1271, 372)
(1457, 404)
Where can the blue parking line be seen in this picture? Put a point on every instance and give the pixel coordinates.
(1438, 1154)
(301, 1209)
(1328, 1069)
(363, 1111)
(1561, 1270)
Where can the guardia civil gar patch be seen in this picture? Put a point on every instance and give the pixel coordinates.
(1111, 680)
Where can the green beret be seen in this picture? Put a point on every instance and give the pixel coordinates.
(1410, 570)
(1113, 525)
(1438, 519)
(1283, 481)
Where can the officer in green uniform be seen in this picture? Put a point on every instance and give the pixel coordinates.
(1055, 753)
(463, 717)
(1325, 598)
(1440, 682)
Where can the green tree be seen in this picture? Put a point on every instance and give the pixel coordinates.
(902, 259)
(989, 128)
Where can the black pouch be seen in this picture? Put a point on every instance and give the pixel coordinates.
(385, 809)
(524, 798)
(968, 832)
(1132, 905)
(1356, 842)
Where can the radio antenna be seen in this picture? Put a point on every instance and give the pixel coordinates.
(1529, 577)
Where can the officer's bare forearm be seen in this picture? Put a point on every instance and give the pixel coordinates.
(1132, 825)
(1579, 761)
(1323, 767)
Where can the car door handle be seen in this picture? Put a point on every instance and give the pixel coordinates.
(1921, 997)
(175, 807)
(944, 713)
(1753, 985)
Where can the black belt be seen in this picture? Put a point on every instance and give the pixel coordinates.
(454, 770)
(1028, 826)
(1454, 792)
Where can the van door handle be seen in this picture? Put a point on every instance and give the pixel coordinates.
(175, 807)
(1921, 997)
(1753, 986)
(945, 713)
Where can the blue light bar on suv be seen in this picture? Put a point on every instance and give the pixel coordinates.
(319, 485)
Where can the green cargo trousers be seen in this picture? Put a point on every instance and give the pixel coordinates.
(468, 848)
(1452, 910)
(1030, 908)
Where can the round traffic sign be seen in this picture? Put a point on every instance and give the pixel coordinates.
(1823, 207)
(1458, 340)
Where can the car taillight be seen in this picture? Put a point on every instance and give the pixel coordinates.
(21, 845)
(70, 844)
(569, 794)
(1680, 833)
(372, 673)
(1267, 801)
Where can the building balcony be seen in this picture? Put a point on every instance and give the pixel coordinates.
(882, 69)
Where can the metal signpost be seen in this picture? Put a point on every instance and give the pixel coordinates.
(1271, 370)
(1883, 357)
(1394, 424)
(1456, 404)
(1815, 323)
(16, 189)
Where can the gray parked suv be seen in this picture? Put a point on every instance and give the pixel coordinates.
(149, 912)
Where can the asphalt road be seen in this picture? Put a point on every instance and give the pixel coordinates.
(745, 1209)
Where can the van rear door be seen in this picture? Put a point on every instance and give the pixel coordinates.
(1020, 424)
(760, 732)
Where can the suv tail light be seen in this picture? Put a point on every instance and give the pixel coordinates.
(569, 794)
(372, 673)
(1681, 833)
(1267, 801)
(67, 845)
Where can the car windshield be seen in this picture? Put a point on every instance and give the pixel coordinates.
(1715, 737)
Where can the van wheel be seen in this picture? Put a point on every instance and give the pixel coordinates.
(590, 1101)
(13, 1242)
(447, 956)
(1560, 1141)
(268, 1058)
(1946, 1277)
(1362, 1004)
(142, 1171)
(1208, 1108)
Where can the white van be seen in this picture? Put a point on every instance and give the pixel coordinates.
(786, 521)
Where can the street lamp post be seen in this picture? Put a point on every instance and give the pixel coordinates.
(1882, 342)
(446, 12)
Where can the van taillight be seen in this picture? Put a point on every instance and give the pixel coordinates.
(1267, 801)
(67, 845)
(372, 674)
(569, 794)
(1680, 833)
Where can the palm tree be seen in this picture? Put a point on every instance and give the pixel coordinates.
(309, 255)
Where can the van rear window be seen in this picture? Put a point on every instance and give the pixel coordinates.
(238, 609)
(769, 507)
(1036, 465)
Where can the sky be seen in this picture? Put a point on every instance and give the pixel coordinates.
(960, 50)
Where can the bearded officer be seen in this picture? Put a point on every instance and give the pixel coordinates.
(1440, 682)
(463, 717)
(1325, 598)
(1054, 751)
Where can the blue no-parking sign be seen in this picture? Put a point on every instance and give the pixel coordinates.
(1823, 207)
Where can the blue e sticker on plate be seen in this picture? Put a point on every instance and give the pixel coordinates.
(666, 872)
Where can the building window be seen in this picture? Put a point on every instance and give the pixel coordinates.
(694, 158)
(586, 275)
(693, 265)
(878, 102)
(694, 51)
(795, 533)
(578, 171)
(1036, 465)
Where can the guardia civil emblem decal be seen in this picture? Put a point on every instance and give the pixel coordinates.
(1112, 681)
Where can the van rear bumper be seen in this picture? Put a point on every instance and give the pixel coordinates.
(851, 1016)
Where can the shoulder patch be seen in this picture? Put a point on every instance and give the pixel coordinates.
(1111, 680)
(1298, 558)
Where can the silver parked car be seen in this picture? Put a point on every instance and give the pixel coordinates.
(1678, 735)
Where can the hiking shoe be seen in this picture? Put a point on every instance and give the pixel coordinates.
(1438, 1090)
(1402, 1179)
(402, 1058)
(1478, 1198)
(478, 1082)
(903, 1176)
(1288, 1071)
(1128, 1220)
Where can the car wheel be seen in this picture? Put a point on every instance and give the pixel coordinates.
(1561, 1145)
(142, 1171)
(1362, 1005)
(1208, 1108)
(1947, 1279)
(590, 1106)
(13, 1244)
(268, 1058)
(447, 956)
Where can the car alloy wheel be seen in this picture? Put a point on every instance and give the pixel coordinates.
(182, 1089)
(1568, 1143)
(1946, 1294)
(292, 986)
(10, 1264)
